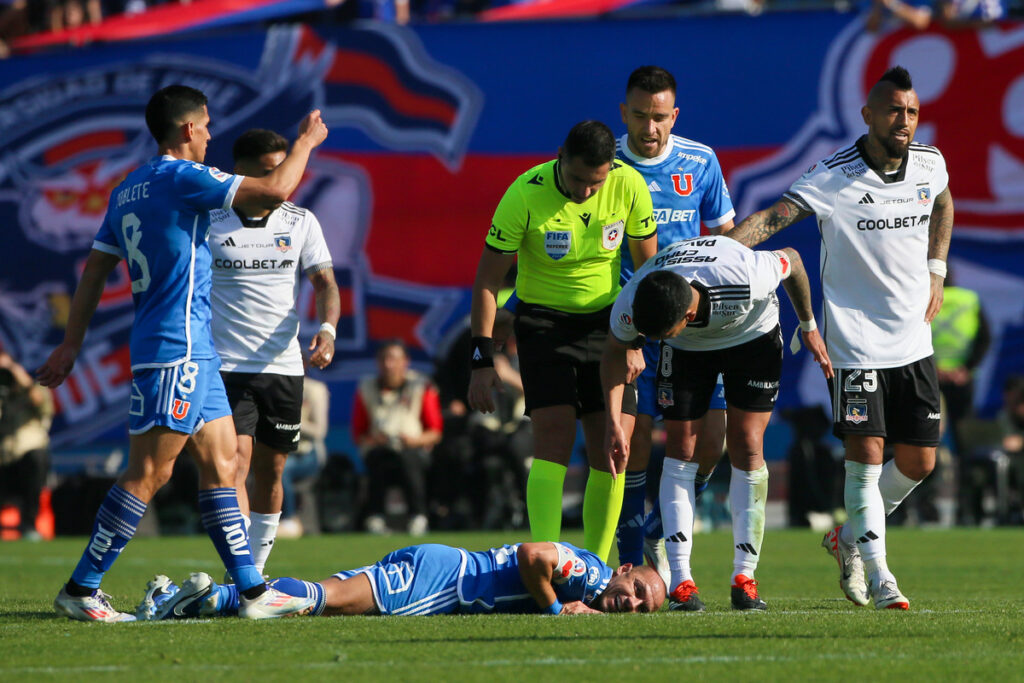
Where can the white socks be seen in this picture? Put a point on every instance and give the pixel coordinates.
(894, 486)
(677, 499)
(747, 494)
(867, 517)
(261, 537)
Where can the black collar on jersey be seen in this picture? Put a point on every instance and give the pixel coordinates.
(886, 177)
(252, 222)
(703, 306)
(558, 179)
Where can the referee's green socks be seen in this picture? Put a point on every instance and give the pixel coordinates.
(544, 499)
(602, 503)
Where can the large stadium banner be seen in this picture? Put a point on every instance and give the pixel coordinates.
(430, 125)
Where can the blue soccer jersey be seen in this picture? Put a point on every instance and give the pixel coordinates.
(438, 579)
(158, 221)
(687, 188)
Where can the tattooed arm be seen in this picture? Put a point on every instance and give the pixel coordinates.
(940, 229)
(763, 224)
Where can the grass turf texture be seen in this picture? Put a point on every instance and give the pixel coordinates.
(965, 621)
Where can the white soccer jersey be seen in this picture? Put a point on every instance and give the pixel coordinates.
(874, 253)
(739, 284)
(255, 284)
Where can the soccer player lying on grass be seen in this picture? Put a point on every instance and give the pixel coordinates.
(552, 578)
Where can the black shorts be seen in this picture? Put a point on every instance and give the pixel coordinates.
(560, 358)
(899, 404)
(750, 372)
(267, 407)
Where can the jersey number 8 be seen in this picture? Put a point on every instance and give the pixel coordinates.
(131, 228)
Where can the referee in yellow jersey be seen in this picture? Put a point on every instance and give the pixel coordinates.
(567, 220)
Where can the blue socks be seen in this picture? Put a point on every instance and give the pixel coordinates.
(115, 524)
(652, 525)
(226, 527)
(227, 596)
(630, 531)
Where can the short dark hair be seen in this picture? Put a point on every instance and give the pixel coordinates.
(168, 106)
(385, 344)
(592, 142)
(652, 79)
(660, 302)
(899, 77)
(255, 142)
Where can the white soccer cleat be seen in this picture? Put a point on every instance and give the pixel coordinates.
(159, 590)
(93, 607)
(851, 567)
(887, 595)
(273, 604)
(195, 598)
(656, 556)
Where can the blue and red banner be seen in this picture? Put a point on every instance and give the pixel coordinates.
(430, 125)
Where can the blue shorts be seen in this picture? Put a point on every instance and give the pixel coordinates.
(647, 385)
(418, 580)
(183, 397)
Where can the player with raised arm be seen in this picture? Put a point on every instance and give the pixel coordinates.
(687, 189)
(257, 253)
(157, 220)
(545, 578)
(885, 215)
(567, 219)
(712, 303)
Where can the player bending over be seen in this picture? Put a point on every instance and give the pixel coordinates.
(551, 578)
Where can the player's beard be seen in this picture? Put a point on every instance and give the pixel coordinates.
(894, 148)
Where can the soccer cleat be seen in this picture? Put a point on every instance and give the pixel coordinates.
(195, 598)
(887, 596)
(273, 604)
(159, 590)
(744, 594)
(851, 568)
(684, 598)
(93, 607)
(655, 556)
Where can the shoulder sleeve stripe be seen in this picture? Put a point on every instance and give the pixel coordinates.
(926, 150)
(798, 200)
(499, 251)
(839, 159)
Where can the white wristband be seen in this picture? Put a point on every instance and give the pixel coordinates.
(808, 325)
(329, 329)
(937, 266)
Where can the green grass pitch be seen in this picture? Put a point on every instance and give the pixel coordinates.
(966, 621)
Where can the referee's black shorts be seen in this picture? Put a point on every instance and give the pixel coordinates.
(560, 358)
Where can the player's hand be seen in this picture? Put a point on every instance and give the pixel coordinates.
(482, 384)
(577, 607)
(58, 366)
(634, 364)
(322, 350)
(816, 345)
(935, 298)
(616, 447)
(313, 128)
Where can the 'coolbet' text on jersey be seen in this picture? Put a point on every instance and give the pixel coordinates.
(439, 579)
(568, 252)
(158, 220)
(255, 285)
(687, 189)
(874, 256)
(737, 283)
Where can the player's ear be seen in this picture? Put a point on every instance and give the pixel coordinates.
(622, 111)
(623, 569)
(188, 131)
(865, 113)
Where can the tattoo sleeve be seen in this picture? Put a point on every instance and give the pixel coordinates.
(763, 224)
(940, 229)
(798, 287)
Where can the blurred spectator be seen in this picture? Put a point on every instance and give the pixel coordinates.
(14, 22)
(960, 337)
(919, 14)
(26, 411)
(390, 11)
(309, 457)
(396, 421)
(480, 467)
(1011, 423)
